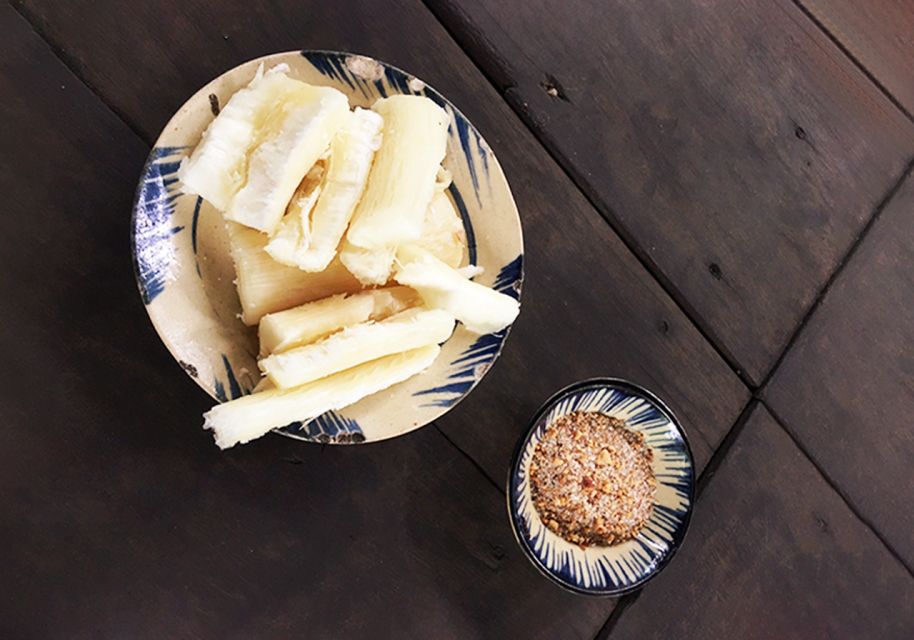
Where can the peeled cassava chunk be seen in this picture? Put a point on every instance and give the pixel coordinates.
(443, 234)
(402, 179)
(479, 308)
(351, 154)
(252, 416)
(292, 138)
(216, 169)
(265, 286)
(354, 345)
(315, 320)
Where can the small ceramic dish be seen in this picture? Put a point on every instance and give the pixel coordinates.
(625, 567)
(185, 273)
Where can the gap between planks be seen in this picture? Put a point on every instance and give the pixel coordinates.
(75, 68)
(850, 56)
(834, 487)
(838, 270)
(501, 488)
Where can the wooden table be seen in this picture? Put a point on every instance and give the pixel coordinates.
(716, 197)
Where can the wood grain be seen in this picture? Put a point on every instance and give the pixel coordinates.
(879, 34)
(732, 142)
(773, 552)
(589, 307)
(846, 388)
(121, 519)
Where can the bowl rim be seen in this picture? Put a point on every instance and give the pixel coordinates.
(303, 52)
(523, 441)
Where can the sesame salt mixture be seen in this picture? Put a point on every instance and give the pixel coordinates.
(591, 479)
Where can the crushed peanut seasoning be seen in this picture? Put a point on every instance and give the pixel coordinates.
(591, 479)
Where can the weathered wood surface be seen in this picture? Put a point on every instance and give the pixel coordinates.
(582, 286)
(773, 552)
(732, 142)
(879, 34)
(846, 388)
(120, 519)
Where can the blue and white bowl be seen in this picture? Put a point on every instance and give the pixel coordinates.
(185, 273)
(618, 569)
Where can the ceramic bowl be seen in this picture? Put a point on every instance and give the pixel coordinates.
(619, 569)
(185, 274)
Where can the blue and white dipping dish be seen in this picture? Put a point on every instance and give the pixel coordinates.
(625, 567)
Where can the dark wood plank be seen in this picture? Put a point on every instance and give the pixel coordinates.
(583, 286)
(846, 388)
(773, 552)
(734, 144)
(879, 34)
(120, 517)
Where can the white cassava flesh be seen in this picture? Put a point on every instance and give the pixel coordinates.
(354, 345)
(295, 227)
(252, 416)
(316, 320)
(369, 266)
(351, 154)
(294, 135)
(402, 179)
(480, 309)
(265, 286)
(443, 234)
(216, 169)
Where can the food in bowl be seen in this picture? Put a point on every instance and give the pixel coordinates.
(348, 253)
(591, 479)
